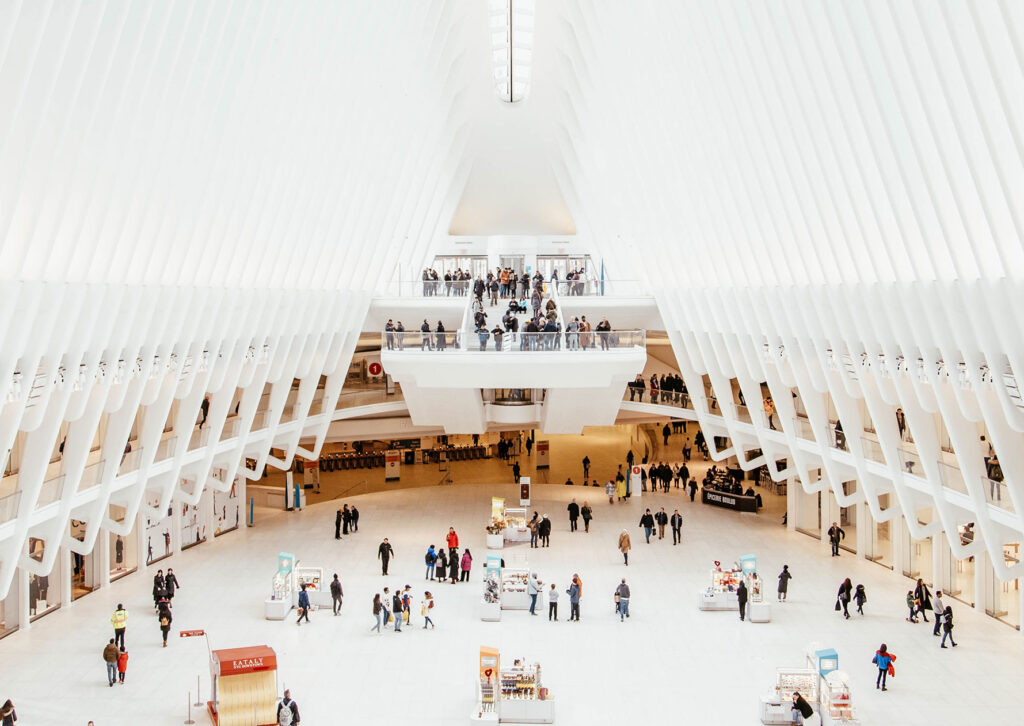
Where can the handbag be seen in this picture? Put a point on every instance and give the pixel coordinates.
(838, 607)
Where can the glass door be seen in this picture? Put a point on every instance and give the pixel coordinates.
(83, 576)
(881, 537)
(1006, 595)
(848, 519)
(124, 550)
(547, 264)
(515, 262)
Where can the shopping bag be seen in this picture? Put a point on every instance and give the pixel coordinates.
(838, 607)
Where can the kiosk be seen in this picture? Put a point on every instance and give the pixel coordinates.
(511, 693)
(243, 686)
(277, 606)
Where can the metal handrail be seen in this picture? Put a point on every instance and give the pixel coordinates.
(520, 342)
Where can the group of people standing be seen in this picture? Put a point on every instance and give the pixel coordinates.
(445, 564)
(346, 521)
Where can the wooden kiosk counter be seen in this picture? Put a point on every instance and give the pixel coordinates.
(244, 686)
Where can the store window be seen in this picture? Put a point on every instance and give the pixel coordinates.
(124, 549)
(961, 572)
(225, 510)
(848, 519)
(881, 537)
(158, 534)
(43, 590)
(1006, 594)
(920, 551)
(9, 611)
(83, 576)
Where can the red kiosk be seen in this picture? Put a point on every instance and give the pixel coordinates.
(244, 686)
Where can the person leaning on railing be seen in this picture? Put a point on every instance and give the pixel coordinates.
(603, 330)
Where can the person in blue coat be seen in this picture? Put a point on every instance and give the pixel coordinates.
(883, 659)
(574, 599)
(303, 606)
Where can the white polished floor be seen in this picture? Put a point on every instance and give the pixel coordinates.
(669, 663)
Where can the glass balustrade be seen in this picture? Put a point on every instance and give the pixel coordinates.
(427, 288)
(518, 342)
(9, 507)
(91, 476)
(996, 493)
(600, 288)
(165, 450)
(51, 491)
(910, 462)
(130, 462)
(952, 477)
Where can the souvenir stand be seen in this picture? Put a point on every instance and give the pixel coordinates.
(834, 705)
(496, 528)
(721, 593)
(277, 606)
(758, 609)
(243, 686)
(512, 693)
(777, 707)
(490, 603)
(318, 590)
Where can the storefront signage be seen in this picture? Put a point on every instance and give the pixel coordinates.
(236, 661)
(392, 465)
(543, 450)
(191, 633)
(729, 501)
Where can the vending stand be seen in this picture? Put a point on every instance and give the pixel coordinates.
(279, 604)
(243, 686)
(512, 693)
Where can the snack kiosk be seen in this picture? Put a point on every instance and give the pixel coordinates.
(279, 604)
(243, 686)
(512, 693)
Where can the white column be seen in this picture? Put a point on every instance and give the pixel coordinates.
(63, 571)
(175, 527)
(21, 578)
(983, 576)
(864, 525)
(940, 562)
(793, 493)
(101, 559)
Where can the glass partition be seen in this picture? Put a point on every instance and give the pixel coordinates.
(881, 537)
(83, 575)
(9, 507)
(43, 590)
(9, 610)
(502, 341)
(51, 491)
(91, 476)
(952, 477)
(593, 287)
(124, 549)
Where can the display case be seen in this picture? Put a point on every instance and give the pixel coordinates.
(836, 705)
(317, 588)
(759, 610)
(277, 606)
(490, 603)
(514, 594)
(721, 593)
(516, 529)
(777, 707)
(523, 697)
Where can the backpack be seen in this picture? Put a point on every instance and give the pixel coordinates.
(284, 715)
(163, 622)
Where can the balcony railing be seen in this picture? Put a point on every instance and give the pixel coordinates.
(461, 341)
(51, 491)
(9, 507)
(997, 494)
(428, 288)
(600, 288)
(636, 391)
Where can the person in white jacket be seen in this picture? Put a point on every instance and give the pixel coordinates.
(553, 602)
(533, 590)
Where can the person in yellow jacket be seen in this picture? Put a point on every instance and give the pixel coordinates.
(119, 620)
(620, 489)
(624, 546)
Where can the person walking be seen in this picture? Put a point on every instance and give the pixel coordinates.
(384, 553)
(407, 605)
(624, 546)
(574, 599)
(396, 611)
(741, 598)
(110, 658)
(467, 563)
(647, 522)
(287, 710)
(784, 578)
(662, 519)
(677, 527)
(553, 603)
(337, 525)
(835, 533)
(586, 467)
(8, 715)
(159, 590)
(426, 609)
(515, 471)
(884, 660)
(122, 665)
(533, 590)
(574, 514)
(430, 558)
(693, 488)
(453, 567)
(587, 513)
(336, 593)
(544, 531)
(843, 597)
(377, 608)
(165, 618)
(120, 621)
(622, 600)
(860, 597)
(924, 599)
(947, 626)
(940, 608)
(303, 606)
(385, 600)
(609, 489)
(171, 584)
(911, 606)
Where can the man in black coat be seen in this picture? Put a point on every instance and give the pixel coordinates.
(544, 531)
(384, 554)
(574, 513)
(835, 533)
(741, 597)
(337, 525)
(677, 527)
(662, 519)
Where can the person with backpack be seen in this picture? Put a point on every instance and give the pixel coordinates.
(860, 596)
(287, 711)
(164, 616)
(442, 564)
(336, 593)
(122, 665)
(427, 608)
(883, 659)
(947, 626)
(303, 606)
(430, 559)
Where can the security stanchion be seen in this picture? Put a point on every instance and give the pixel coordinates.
(199, 701)
(189, 719)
